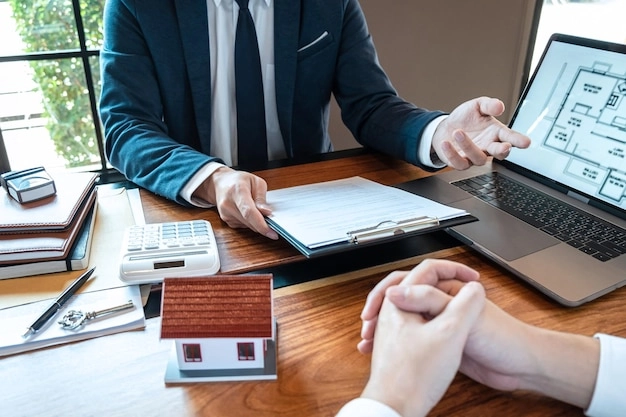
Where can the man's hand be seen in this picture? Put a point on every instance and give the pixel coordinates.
(500, 351)
(240, 199)
(495, 352)
(416, 356)
(430, 272)
(471, 133)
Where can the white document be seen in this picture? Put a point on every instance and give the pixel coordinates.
(15, 320)
(329, 212)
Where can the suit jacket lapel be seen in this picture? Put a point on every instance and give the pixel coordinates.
(192, 20)
(286, 29)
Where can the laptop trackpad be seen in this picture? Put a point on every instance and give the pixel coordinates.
(500, 233)
(435, 189)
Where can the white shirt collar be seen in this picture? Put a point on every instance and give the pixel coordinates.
(217, 2)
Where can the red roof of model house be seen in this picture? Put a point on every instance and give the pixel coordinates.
(217, 306)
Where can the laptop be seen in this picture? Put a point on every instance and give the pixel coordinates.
(569, 241)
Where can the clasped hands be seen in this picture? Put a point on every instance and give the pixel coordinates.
(428, 324)
(468, 136)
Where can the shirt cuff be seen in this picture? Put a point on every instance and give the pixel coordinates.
(192, 185)
(426, 144)
(366, 407)
(608, 395)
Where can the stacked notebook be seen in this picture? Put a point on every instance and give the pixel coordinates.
(48, 235)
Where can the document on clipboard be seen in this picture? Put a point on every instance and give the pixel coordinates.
(339, 215)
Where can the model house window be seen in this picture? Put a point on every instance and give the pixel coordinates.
(245, 351)
(192, 352)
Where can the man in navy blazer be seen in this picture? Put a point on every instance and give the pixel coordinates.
(156, 101)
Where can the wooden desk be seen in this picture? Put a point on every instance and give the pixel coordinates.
(319, 367)
(242, 250)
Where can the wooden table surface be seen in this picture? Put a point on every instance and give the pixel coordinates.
(242, 250)
(319, 368)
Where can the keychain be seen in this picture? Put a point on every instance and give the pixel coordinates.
(74, 319)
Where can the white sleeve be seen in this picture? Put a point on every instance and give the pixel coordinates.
(425, 145)
(195, 181)
(365, 407)
(609, 394)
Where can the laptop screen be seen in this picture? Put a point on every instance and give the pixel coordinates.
(574, 111)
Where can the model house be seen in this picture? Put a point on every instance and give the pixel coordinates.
(222, 326)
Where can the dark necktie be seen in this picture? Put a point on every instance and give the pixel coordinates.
(252, 141)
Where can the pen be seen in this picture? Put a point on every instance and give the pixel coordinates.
(58, 303)
(391, 228)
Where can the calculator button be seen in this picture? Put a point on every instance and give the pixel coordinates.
(135, 247)
(151, 244)
(171, 243)
(188, 241)
(203, 240)
(168, 234)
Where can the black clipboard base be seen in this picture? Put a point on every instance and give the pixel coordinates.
(349, 246)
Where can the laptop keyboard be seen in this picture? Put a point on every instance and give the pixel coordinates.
(589, 234)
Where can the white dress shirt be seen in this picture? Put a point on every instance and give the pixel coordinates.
(365, 407)
(222, 16)
(609, 395)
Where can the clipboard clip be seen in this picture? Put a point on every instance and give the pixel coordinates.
(391, 228)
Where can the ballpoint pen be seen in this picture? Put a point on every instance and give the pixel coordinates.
(58, 303)
(392, 228)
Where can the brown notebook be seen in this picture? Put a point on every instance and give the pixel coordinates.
(33, 246)
(54, 213)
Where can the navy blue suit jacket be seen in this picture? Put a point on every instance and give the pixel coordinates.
(156, 93)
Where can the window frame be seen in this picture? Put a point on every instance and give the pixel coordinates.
(190, 349)
(245, 351)
(83, 53)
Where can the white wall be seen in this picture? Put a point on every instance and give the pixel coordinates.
(440, 53)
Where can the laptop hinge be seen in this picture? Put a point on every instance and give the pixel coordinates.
(578, 197)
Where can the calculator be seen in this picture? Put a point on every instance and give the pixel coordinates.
(151, 252)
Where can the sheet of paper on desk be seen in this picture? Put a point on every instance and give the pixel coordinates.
(323, 213)
(15, 320)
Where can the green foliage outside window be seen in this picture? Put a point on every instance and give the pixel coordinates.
(49, 25)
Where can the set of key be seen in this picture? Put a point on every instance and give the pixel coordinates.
(75, 319)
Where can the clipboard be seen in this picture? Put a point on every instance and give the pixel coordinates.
(376, 235)
(336, 216)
